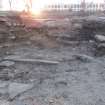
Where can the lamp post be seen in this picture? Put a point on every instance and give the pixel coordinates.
(83, 5)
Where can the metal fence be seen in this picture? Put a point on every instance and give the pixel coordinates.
(76, 7)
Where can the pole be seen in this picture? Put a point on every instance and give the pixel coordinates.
(83, 5)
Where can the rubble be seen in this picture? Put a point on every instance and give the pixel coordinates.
(4, 102)
(67, 74)
(7, 63)
(100, 38)
(4, 75)
(3, 87)
(15, 89)
(84, 58)
(18, 103)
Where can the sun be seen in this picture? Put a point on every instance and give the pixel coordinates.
(37, 6)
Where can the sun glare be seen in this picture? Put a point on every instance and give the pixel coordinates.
(20, 5)
(37, 7)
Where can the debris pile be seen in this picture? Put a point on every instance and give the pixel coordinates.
(9, 27)
(16, 29)
(67, 74)
(93, 29)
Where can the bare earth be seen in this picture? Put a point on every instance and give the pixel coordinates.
(46, 74)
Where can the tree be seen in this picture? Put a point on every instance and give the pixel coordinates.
(10, 4)
(28, 4)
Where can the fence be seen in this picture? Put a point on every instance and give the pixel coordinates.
(76, 7)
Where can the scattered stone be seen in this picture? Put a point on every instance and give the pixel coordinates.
(16, 89)
(7, 63)
(61, 83)
(4, 88)
(18, 102)
(3, 91)
(101, 45)
(100, 49)
(100, 102)
(12, 37)
(33, 101)
(56, 101)
(11, 75)
(4, 102)
(84, 58)
(100, 38)
(3, 84)
(28, 42)
(78, 25)
(4, 75)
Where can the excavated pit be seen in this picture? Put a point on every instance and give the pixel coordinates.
(51, 65)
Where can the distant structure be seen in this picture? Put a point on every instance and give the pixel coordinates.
(27, 5)
(77, 7)
(1, 4)
(83, 5)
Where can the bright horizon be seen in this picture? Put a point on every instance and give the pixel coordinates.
(38, 5)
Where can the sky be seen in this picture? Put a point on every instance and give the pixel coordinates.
(37, 4)
(73, 1)
(68, 1)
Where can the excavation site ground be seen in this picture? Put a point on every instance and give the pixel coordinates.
(53, 61)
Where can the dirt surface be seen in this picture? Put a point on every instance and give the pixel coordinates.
(78, 78)
(45, 71)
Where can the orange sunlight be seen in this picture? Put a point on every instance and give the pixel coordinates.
(20, 5)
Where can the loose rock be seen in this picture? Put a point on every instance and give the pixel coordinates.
(84, 58)
(7, 63)
(4, 102)
(18, 103)
(15, 89)
(100, 38)
(3, 88)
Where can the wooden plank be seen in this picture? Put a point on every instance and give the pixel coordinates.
(32, 60)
